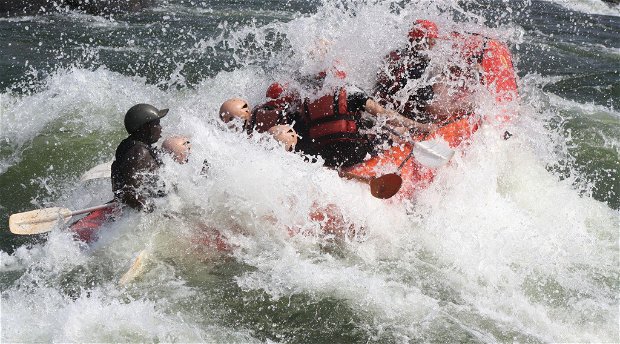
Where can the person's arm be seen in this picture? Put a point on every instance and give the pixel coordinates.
(449, 100)
(395, 119)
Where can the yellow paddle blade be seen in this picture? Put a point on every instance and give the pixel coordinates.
(98, 172)
(136, 270)
(386, 186)
(38, 221)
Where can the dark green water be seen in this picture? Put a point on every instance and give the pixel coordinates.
(518, 244)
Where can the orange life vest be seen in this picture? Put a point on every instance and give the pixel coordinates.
(329, 120)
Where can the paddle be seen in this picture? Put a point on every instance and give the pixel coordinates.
(136, 269)
(385, 186)
(44, 220)
(98, 172)
(432, 153)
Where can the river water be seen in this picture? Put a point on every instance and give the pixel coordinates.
(516, 240)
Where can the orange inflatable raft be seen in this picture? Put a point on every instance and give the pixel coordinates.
(497, 75)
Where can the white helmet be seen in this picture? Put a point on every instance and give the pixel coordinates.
(235, 108)
(178, 147)
(285, 135)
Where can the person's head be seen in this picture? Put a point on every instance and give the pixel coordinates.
(423, 32)
(178, 147)
(142, 120)
(275, 90)
(235, 109)
(285, 135)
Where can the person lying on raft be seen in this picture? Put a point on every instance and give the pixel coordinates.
(438, 102)
(332, 125)
(178, 147)
(236, 113)
(134, 178)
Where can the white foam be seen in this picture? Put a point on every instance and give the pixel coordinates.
(80, 98)
(590, 6)
(497, 248)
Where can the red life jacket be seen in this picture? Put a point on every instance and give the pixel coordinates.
(266, 116)
(328, 120)
(273, 112)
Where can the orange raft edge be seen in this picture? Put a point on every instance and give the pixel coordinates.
(499, 79)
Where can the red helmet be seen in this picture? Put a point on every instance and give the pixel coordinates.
(423, 29)
(274, 90)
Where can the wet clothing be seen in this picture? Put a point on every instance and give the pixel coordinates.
(328, 126)
(283, 110)
(133, 180)
(332, 125)
(404, 65)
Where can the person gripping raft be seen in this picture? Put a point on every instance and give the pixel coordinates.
(87, 228)
(134, 178)
(447, 98)
(330, 125)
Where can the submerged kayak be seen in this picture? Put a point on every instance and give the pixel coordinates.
(498, 77)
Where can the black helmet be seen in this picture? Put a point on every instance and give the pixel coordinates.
(141, 114)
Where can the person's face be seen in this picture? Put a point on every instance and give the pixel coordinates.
(154, 131)
(421, 44)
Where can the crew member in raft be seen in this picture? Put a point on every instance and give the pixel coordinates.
(405, 65)
(447, 98)
(332, 125)
(134, 178)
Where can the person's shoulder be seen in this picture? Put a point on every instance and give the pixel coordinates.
(130, 150)
(354, 90)
(139, 148)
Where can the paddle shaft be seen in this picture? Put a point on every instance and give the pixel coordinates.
(400, 167)
(350, 175)
(88, 210)
(55, 216)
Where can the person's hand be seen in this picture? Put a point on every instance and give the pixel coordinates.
(205, 168)
(147, 206)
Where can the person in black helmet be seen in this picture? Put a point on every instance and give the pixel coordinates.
(134, 181)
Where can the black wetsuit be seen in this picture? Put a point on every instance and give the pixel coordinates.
(134, 182)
